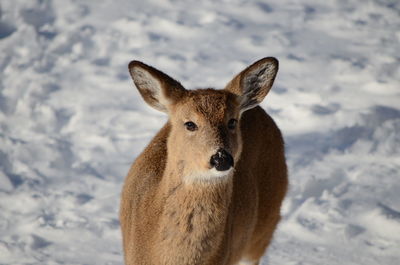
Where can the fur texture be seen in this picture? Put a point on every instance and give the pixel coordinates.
(176, 208)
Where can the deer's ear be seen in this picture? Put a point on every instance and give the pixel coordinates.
(157, 89)
(253, 83)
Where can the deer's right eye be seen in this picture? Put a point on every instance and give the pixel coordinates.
(232, 124)
(190, 126)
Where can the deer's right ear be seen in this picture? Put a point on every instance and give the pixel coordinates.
(157, 89)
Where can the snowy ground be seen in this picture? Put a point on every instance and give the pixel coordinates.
(72, 122)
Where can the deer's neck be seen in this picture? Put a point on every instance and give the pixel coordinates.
(195, 214)
(212, 190)
(190, 193)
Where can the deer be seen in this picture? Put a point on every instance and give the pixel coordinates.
(209, 186)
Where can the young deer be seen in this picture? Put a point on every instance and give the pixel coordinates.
(209, 186)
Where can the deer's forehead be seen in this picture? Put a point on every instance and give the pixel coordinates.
(210, 106)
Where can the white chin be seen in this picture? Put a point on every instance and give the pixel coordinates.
(219, 174)
(211, 175)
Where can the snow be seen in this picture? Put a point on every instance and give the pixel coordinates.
(72, 122)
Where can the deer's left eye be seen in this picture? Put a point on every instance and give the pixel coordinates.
(232, 124)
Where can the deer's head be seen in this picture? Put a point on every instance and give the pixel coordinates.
(205, 138)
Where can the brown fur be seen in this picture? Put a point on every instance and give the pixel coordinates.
(170, 215)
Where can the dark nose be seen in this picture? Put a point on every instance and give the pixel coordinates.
(222, 160)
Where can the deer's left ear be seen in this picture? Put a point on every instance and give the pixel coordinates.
(254, 82)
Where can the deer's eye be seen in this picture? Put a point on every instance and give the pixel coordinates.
(191, 126)
(232, 124)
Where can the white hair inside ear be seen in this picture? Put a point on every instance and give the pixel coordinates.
(150, 86)
(259, 77)
(256, 84)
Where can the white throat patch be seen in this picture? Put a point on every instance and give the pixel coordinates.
(210, 175)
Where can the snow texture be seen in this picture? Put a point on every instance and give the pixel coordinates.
(71, 121)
